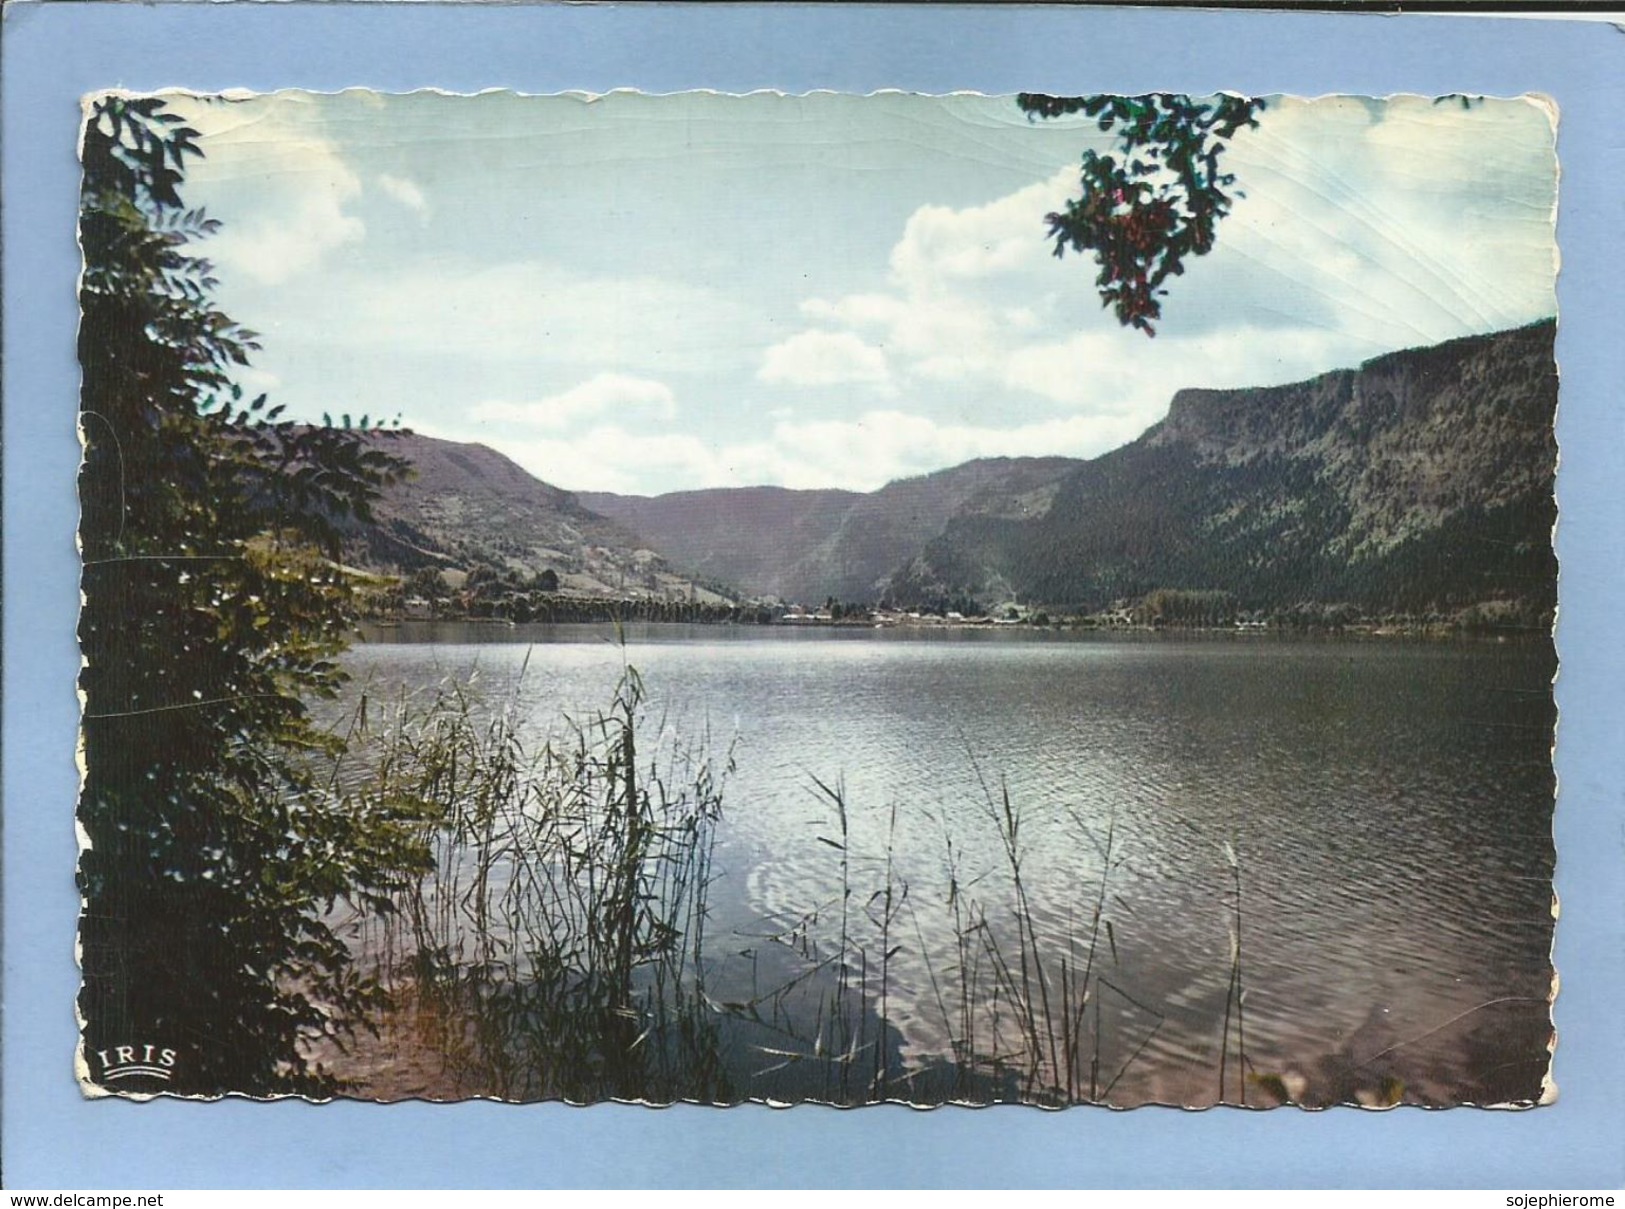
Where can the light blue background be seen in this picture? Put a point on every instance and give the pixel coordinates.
(53, 53)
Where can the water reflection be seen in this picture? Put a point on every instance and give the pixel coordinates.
(1388, 806)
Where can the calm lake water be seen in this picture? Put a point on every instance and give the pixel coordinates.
(1388, 804)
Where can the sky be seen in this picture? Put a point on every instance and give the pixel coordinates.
(645, 294)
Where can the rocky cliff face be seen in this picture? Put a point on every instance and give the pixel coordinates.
(1406, 440)
(1421, 481)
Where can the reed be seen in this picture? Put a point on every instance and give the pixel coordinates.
(827, 1024)
(556, 946)
(1052, 985)
(1021, 1005)
(1234, 997)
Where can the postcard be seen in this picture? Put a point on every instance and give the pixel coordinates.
(828, 598)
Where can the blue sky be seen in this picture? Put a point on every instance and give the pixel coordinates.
(654, 293)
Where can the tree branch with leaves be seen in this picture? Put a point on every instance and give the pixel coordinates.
(1153, 202)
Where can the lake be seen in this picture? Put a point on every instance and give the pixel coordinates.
(1383, 806)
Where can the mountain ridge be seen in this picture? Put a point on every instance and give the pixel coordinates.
(466, 505)
(808, 545)
(1420, 481)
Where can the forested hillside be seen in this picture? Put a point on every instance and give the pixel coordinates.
(1420, 482)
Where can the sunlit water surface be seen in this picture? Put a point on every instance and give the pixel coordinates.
(1388, 804)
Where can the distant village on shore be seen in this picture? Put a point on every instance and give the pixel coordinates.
(504, 598)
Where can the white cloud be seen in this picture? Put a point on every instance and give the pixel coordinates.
(599, 394)
(1400, 223)
(949, 334)
(611, 457)
(859, 455)
(858, 310)
(255, 381)
(406, 192)
(1366, 226)
(1004, 236)
(526, 311)
(968, 290)
(300, 184)
(1364, 229)
(1111, 371)
(816, 358)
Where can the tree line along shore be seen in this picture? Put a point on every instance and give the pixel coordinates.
(516, 598)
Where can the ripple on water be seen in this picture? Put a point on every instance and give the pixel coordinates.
(1389, 806)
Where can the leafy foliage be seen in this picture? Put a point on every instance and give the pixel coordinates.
(1143, 211)
(213, 610)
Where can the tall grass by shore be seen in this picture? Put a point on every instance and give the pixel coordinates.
(558, 947)
(1021, 1005)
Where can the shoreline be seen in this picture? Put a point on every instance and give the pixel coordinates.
(1374, 631)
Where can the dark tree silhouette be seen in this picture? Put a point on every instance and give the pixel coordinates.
(213, 611)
